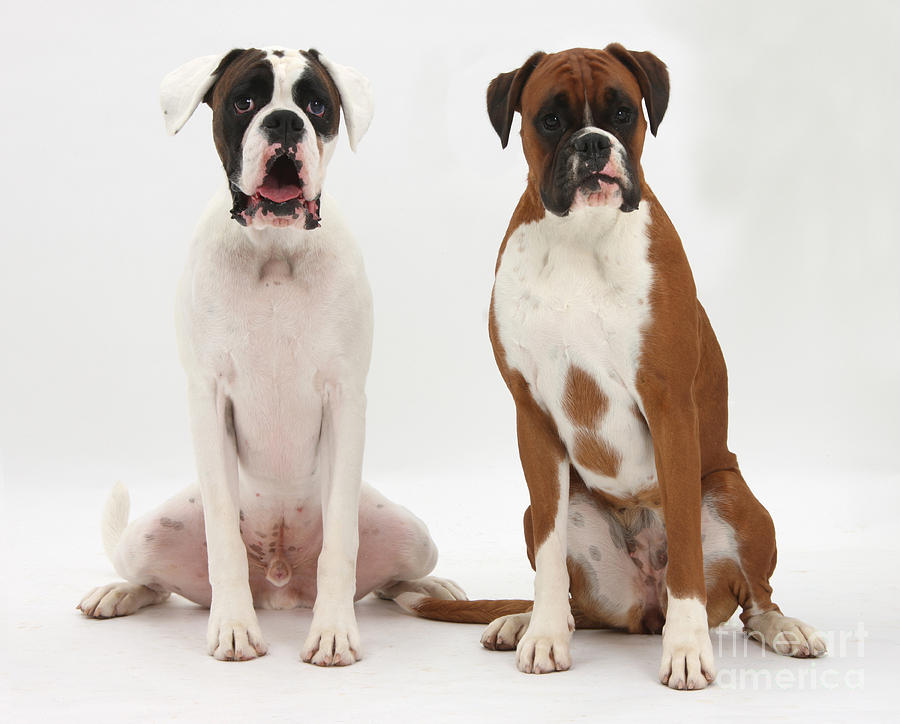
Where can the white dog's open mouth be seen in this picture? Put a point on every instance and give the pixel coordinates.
(279, 199)
(282, 181)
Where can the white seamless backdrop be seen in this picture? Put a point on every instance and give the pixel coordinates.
(777, 161)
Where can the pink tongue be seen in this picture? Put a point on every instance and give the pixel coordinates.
(277, 193)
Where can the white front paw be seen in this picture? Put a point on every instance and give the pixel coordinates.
(687, 659)
(332, 642)
(543, 649)
(233, 634)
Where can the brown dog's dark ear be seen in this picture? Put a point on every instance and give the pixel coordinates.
(652, 77)
(504, 94)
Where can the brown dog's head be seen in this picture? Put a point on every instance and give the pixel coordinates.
(582, 124)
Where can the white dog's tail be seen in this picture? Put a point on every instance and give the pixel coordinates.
(115, 519)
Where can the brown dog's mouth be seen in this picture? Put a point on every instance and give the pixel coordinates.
(595, 181)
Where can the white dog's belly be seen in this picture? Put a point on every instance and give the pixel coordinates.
(283, 538)
(166, 548)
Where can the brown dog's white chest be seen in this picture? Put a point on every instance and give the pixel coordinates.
(571, 303)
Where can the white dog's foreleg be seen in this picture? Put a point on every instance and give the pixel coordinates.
(334, 637)
(233, 632)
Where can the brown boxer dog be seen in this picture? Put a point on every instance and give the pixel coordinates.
(638, 508)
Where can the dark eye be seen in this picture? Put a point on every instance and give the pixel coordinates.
(623, 115)
(316, 107)
(551, 121)
(244, 105)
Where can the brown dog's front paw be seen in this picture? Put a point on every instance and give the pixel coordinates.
(543, 654)
(544, 649)
(687, 660)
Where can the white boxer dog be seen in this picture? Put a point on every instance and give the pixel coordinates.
(274, 319)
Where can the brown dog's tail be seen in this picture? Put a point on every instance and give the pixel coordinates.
(439, 609)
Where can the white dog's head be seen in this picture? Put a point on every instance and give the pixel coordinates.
(275, 120)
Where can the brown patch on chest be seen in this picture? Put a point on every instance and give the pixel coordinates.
(583, 401)
(593, 452)
(585, 404)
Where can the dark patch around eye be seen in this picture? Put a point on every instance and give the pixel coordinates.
(316, 85)
(613, 100)
(556, 105)
(250, 76)
(259, 85)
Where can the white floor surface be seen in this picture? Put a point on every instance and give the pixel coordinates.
(152, 666)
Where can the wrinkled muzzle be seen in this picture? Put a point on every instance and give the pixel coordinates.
(590, 170)
(279, 198)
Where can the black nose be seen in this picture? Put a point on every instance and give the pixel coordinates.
(593, 145)
(284, 127)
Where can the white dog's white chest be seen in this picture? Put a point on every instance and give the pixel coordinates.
(274, 325)
(275, 349)
(571, 302)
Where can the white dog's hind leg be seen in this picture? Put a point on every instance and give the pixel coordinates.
(115, 519)
(122, 598)
(504, 633)
(396, 554)
(160, 552)
(119, 599)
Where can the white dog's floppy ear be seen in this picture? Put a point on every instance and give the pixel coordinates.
(184, 88)
(357, 101)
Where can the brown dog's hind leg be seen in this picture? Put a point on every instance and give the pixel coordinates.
(744, 578)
